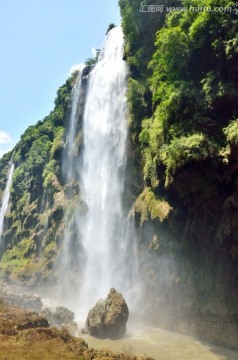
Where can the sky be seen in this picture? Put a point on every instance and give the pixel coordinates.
(40, 42)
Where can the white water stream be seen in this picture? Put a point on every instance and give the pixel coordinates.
(99, 250)
(5, 199)
(107, 237)
(69, 165)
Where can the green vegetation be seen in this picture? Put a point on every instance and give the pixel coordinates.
(186, 93)
(183, 150)
(93, 60)
(4, 167)
(231, 133)
(150, 207)
(34, 222)
(190, 80)
(110, 27)
(182, 97)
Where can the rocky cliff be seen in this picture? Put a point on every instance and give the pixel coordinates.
(182, 94)
(41, 194)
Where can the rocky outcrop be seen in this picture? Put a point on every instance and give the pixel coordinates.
(14, 296)
(35, 322)
(86, 71)
(23, 332)
(108, 318)
(61, 315)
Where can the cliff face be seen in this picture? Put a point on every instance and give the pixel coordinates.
(41, 194)
(182, 97)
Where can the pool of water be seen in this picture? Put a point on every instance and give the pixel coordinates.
(163, 345)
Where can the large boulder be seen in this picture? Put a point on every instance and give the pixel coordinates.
(108, 318)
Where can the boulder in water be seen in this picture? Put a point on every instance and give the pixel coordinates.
(108, 318)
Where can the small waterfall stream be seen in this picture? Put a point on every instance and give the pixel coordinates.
(69, 165)
(67, 289)
(5, 199)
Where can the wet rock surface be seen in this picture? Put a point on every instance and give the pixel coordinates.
(60, 315)
(108, 318)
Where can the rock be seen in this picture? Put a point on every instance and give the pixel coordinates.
(32, 302)
(87, 70)
(34, 323)
(108, 318)
(64, 315)
(61, 315)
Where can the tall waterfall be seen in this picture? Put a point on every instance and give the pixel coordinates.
(107, 236)
(5, 200)
(99, 249)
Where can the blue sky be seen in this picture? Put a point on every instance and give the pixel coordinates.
(40, 40)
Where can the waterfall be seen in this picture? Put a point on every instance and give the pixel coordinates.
(99, 250)
(107, 235)
(76, 109)
(70, 257)
(5, 200)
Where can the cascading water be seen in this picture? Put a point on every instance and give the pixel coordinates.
(5, 200)
(107, 237)
(98, 250)
(69, 165)
(70, 172)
